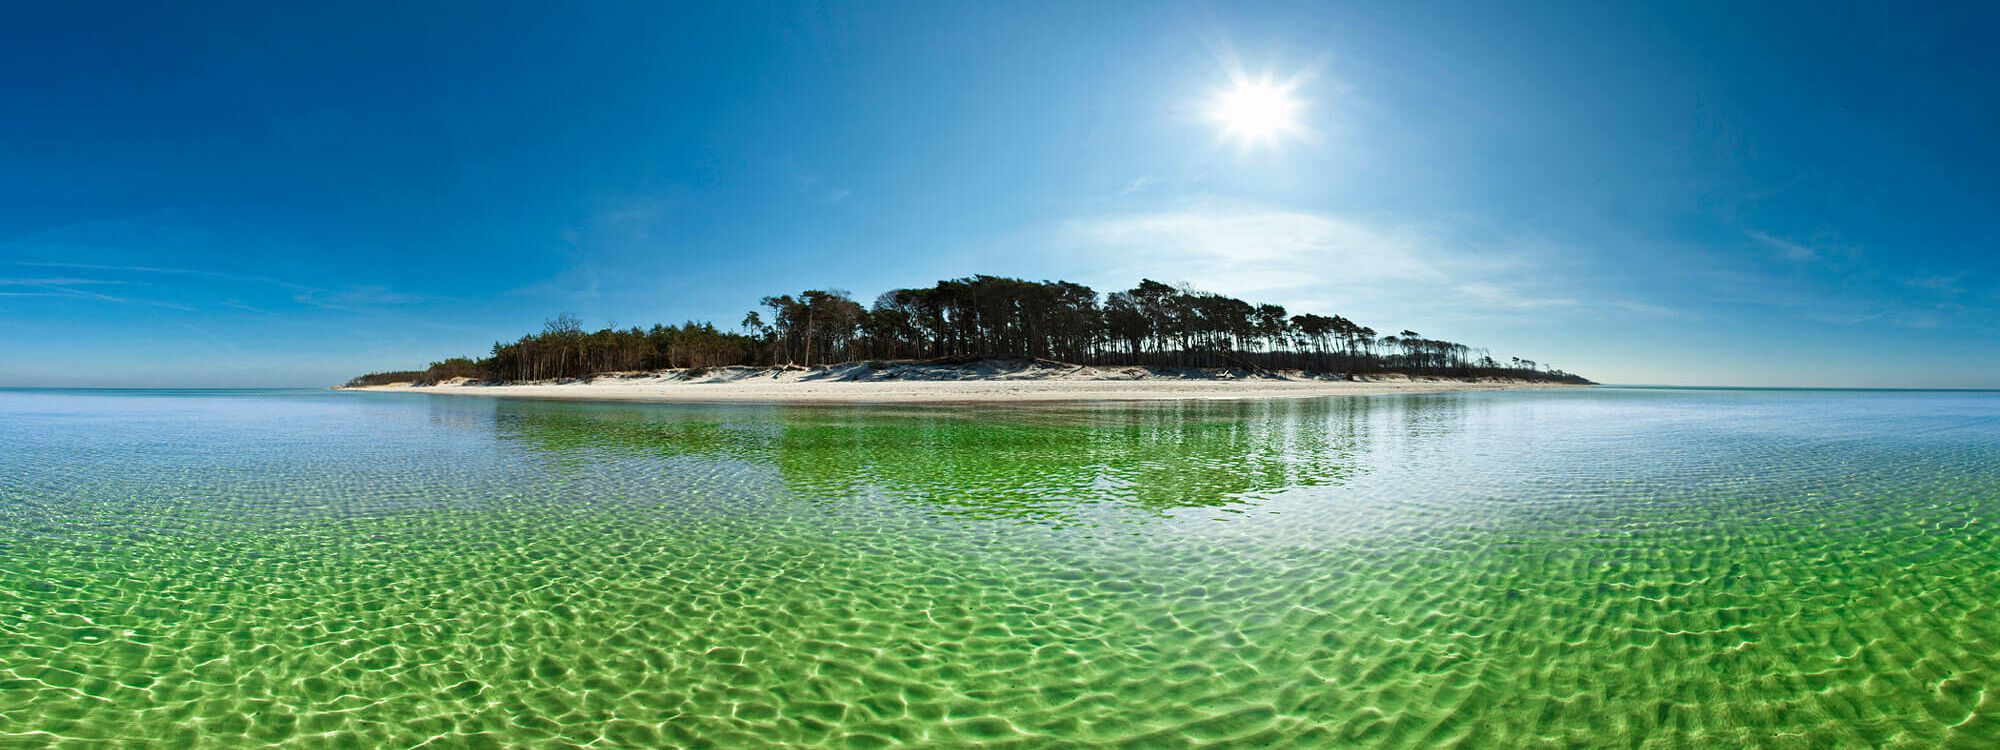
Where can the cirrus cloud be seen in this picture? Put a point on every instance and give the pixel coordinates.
(1309, 261)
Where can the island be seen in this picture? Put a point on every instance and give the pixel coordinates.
(977, 339)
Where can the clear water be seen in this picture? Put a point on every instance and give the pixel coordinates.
(1596, 568)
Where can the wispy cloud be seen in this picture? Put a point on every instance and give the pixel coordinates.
(1140, 184)
(57, 281)
(73, 263)
(815, 186)
(67, 288)
(580, 283)
(364, 296)
(219, 275)
(1315, 261)
(352, 299)
(1256, 249)
(1827, 283)
(1494, 295)
(1787, 249)
(1648, 309)
(245, 307)
(1453, 275)
(1821, 247)
(1947, 283)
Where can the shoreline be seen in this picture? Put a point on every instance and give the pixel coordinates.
(933, 384)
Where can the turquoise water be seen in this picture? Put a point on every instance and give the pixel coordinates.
(1579, 568)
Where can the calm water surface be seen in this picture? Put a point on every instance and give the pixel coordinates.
(1592, 568)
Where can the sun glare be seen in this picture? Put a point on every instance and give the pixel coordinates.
(1257, 111)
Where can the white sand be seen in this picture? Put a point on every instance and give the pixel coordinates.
(984, 382)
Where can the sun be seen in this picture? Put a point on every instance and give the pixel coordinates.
(1257, 112)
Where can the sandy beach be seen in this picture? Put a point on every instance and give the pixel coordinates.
(976, 383)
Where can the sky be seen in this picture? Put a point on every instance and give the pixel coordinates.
(282, 194)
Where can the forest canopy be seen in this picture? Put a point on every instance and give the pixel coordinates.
(986, 317)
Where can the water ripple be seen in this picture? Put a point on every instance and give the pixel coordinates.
(1642, 569)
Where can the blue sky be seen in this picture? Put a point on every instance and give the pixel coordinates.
(1721, 194)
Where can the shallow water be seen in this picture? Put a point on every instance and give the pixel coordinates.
(1593, 568)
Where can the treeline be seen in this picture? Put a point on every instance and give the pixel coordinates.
(564, 350)
(1152, 324)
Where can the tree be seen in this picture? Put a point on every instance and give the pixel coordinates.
(987, 316)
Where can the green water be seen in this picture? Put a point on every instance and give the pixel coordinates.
(1595, 568)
